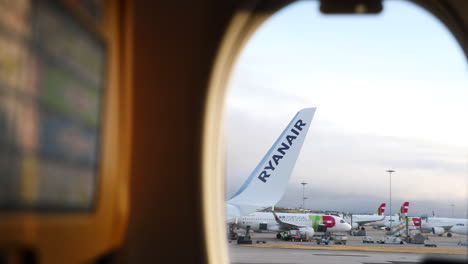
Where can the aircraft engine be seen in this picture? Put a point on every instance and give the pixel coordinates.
(307, 231)
(354, 225)
(438, 231)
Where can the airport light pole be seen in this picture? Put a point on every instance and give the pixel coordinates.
(390, 212)
(303, 194)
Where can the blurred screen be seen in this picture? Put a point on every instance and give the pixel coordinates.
(51, 86)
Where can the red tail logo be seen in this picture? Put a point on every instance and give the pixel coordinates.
(382, 209)
(416, 221)
(404, 208)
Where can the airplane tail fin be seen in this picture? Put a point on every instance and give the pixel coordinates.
(276, 217)
(404, 208)
(381, 209)
(267, 183)
(403, 211)
(416, 221)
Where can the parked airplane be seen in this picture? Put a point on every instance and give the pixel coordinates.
(392, 220)
(395, 221)
(306, 224)
(460, 228)
(440, 225)
(357, 220)
(267, 183)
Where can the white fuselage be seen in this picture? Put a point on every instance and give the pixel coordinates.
(358, 220)
(442, 222)
(460, 228)
(394, 222)
(265, 221)
(394, 219)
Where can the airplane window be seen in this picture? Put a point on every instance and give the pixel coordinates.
(385, 96)
(51, 84)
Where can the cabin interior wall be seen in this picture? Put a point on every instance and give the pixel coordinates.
(173, 52)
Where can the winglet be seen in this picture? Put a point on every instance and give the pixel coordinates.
(267, 183)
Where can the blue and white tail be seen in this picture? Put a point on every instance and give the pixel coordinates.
(267, 183)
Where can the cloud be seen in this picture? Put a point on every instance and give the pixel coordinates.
(323, 199)
(383, 103)
(346, 171)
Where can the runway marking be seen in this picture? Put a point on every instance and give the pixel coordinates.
(418, 250)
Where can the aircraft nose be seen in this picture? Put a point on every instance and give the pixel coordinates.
(347, 226)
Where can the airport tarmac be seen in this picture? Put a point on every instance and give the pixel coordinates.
(309, 252)
(253, 255)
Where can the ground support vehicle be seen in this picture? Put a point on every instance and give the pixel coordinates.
(391, 240)
(244, 239)
(361, 232)
(340, 240)
(323, 240)
(416, 239)
(299, 238)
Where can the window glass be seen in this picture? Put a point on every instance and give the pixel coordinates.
(391, 92)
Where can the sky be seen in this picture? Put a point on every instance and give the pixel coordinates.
(391, 92)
